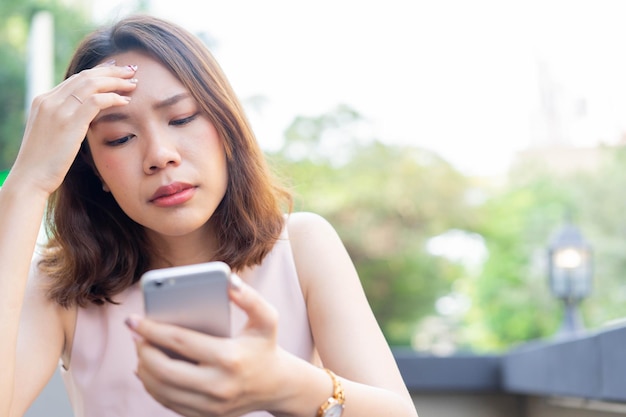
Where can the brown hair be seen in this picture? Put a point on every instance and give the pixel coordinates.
(95, 250)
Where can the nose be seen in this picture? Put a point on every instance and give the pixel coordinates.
(160, 152)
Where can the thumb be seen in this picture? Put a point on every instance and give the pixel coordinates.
(262, 316)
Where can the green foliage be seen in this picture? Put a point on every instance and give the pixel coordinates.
(601, 207)
(15, 15)
(12, 92)
(386, 202)
(511, 298)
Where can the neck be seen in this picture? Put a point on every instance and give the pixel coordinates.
(193, 248)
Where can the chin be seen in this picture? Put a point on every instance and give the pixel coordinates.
(177, 229)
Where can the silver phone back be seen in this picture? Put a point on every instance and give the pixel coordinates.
(193, 296)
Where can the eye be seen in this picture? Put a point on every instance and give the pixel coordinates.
(183, 121)
(120, 141)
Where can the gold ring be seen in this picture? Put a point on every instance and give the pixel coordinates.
(79, 100)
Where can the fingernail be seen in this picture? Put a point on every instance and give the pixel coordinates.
(110, 62)
(132, 322)
(133, 80)
(136, 336)
(235, 282)
(132, 68)
(126, 98)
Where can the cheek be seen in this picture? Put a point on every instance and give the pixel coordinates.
(110, 168)
(218, 161)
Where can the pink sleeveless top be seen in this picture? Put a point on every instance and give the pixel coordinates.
(101, 381)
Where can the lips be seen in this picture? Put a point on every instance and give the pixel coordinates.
(172, 194)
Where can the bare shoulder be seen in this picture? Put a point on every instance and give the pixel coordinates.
(304, 224)
(319, 254)
(312, 238)
(332, 289)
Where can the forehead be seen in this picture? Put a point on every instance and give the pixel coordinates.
(155, 81)
(157, 90)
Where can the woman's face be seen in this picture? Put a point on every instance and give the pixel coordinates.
(159, 156)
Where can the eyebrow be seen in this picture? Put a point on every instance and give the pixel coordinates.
(116, 117)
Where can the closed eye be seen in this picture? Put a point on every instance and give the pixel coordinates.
(120, 141)
(184, 121)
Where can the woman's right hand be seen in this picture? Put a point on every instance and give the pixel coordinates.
(59, 120)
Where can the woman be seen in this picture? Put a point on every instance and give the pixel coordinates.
(144, 159)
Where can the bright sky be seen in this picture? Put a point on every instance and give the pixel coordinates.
(458, 77)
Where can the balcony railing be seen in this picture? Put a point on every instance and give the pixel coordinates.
(582, 377)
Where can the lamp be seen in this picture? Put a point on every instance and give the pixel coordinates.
(570, 274)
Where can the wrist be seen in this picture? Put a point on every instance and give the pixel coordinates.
(24, 187)
(21, 201)
(304, 388)
(334, 405)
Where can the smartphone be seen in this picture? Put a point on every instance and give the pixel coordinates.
(191, 296)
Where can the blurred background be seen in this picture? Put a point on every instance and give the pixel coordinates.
(446, 141)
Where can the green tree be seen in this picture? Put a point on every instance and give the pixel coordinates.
(511, 298)
(15, 16)
(386, 201)
(599, 208)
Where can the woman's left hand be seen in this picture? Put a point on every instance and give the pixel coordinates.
(230, 377)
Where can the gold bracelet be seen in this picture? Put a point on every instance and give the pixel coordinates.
(333, 407)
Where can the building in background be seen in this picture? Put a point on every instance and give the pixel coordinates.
(571, 126)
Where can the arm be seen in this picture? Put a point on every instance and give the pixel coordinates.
(56, 127)
(344, 328)
(41, 339)
(22, 212)
(250, 372)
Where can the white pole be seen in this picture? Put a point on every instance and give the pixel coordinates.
(40, 66)
(40, 63)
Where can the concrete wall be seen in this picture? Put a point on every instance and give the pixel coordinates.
(53, 402)
(571, 407)
(468, 405)
(579, 377)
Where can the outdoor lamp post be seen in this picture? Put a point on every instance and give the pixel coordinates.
(570, 274)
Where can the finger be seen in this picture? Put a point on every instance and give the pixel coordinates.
(169, 382)
(80, 90)
(181, 401)
(86, 80)
(154, 364)
(187, 389)
(108, 69)
(84, 111)
(85, 100)
(262, 316)
(170, 379)
(102, 78)
(87, 109)
(195, 346)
